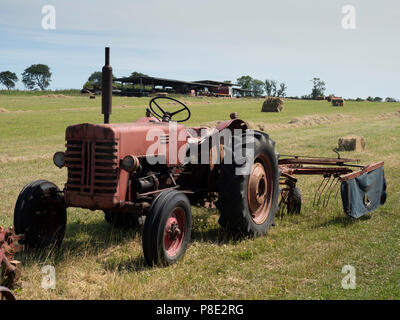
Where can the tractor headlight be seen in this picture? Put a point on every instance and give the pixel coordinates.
(59, 159)
(130, 163)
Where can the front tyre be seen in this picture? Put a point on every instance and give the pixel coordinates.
(167, 228)
(40, 214)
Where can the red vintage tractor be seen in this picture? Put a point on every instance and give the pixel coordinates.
(111, 168)
(157, 168)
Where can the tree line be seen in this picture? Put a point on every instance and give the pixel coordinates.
(253, 87)
(37, 76)
(258, 87)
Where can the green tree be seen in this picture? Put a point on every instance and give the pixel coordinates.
(257, 86)
(318, 88)
(282, 90)
(8, 79)
(269, 87)
(95, 79)
(36, 75)
(88, 85)
(389, 99)
(370, 99)
(378, 99)
(138, 74)
(245, 82)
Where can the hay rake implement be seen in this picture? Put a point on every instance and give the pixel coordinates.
(9, 271)
(363, 188)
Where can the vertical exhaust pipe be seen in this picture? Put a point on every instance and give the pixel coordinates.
(106, 88)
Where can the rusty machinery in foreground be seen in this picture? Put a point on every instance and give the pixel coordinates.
(9, 276)
(110, 168)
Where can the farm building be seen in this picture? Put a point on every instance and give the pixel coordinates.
(141, 86)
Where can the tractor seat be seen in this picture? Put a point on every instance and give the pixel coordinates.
(199, 134)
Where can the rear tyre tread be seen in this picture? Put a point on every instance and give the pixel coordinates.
(232, 203)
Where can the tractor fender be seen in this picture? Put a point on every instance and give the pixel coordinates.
(232, 124)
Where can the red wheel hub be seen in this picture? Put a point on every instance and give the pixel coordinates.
(259, 190)
(174, 232)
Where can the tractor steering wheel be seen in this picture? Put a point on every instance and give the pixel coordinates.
(167, 116)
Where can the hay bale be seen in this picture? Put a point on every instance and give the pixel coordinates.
(337, 102)
(351, 143)
(272, 104)
(320, 98)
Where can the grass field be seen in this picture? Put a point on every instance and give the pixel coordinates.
(302, 256)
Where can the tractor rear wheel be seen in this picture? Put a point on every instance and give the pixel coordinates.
(248, 202)
(167, 228)
(40, 214)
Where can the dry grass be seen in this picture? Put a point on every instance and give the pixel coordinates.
(301, 257)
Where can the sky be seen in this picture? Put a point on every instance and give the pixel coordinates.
(290, 41)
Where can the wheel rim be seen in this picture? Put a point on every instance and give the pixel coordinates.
(174, 232)
(259, 192)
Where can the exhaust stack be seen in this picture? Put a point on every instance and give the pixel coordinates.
(106, 88)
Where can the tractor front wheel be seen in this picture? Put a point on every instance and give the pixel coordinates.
(40, 214)
(167, 228)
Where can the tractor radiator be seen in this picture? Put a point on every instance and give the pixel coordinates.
(92, 166)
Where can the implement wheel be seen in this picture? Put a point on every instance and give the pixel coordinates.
(167, 228)
(291, 201)
(248, 202)
(40, 214)
(6, 294)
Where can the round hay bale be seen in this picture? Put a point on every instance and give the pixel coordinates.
(337, 102)
(272, 104)
(351, 143)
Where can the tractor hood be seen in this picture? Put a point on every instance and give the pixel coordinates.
(132, 138)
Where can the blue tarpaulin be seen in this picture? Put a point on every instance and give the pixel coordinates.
(364, 193)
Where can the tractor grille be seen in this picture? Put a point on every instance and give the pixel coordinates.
(92, 166)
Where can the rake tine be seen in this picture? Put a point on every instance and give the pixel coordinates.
(316, 192)
(335, 186)
(326, 192)
(337, 191)
(323, 189)
(282, 204)
(329, 191)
